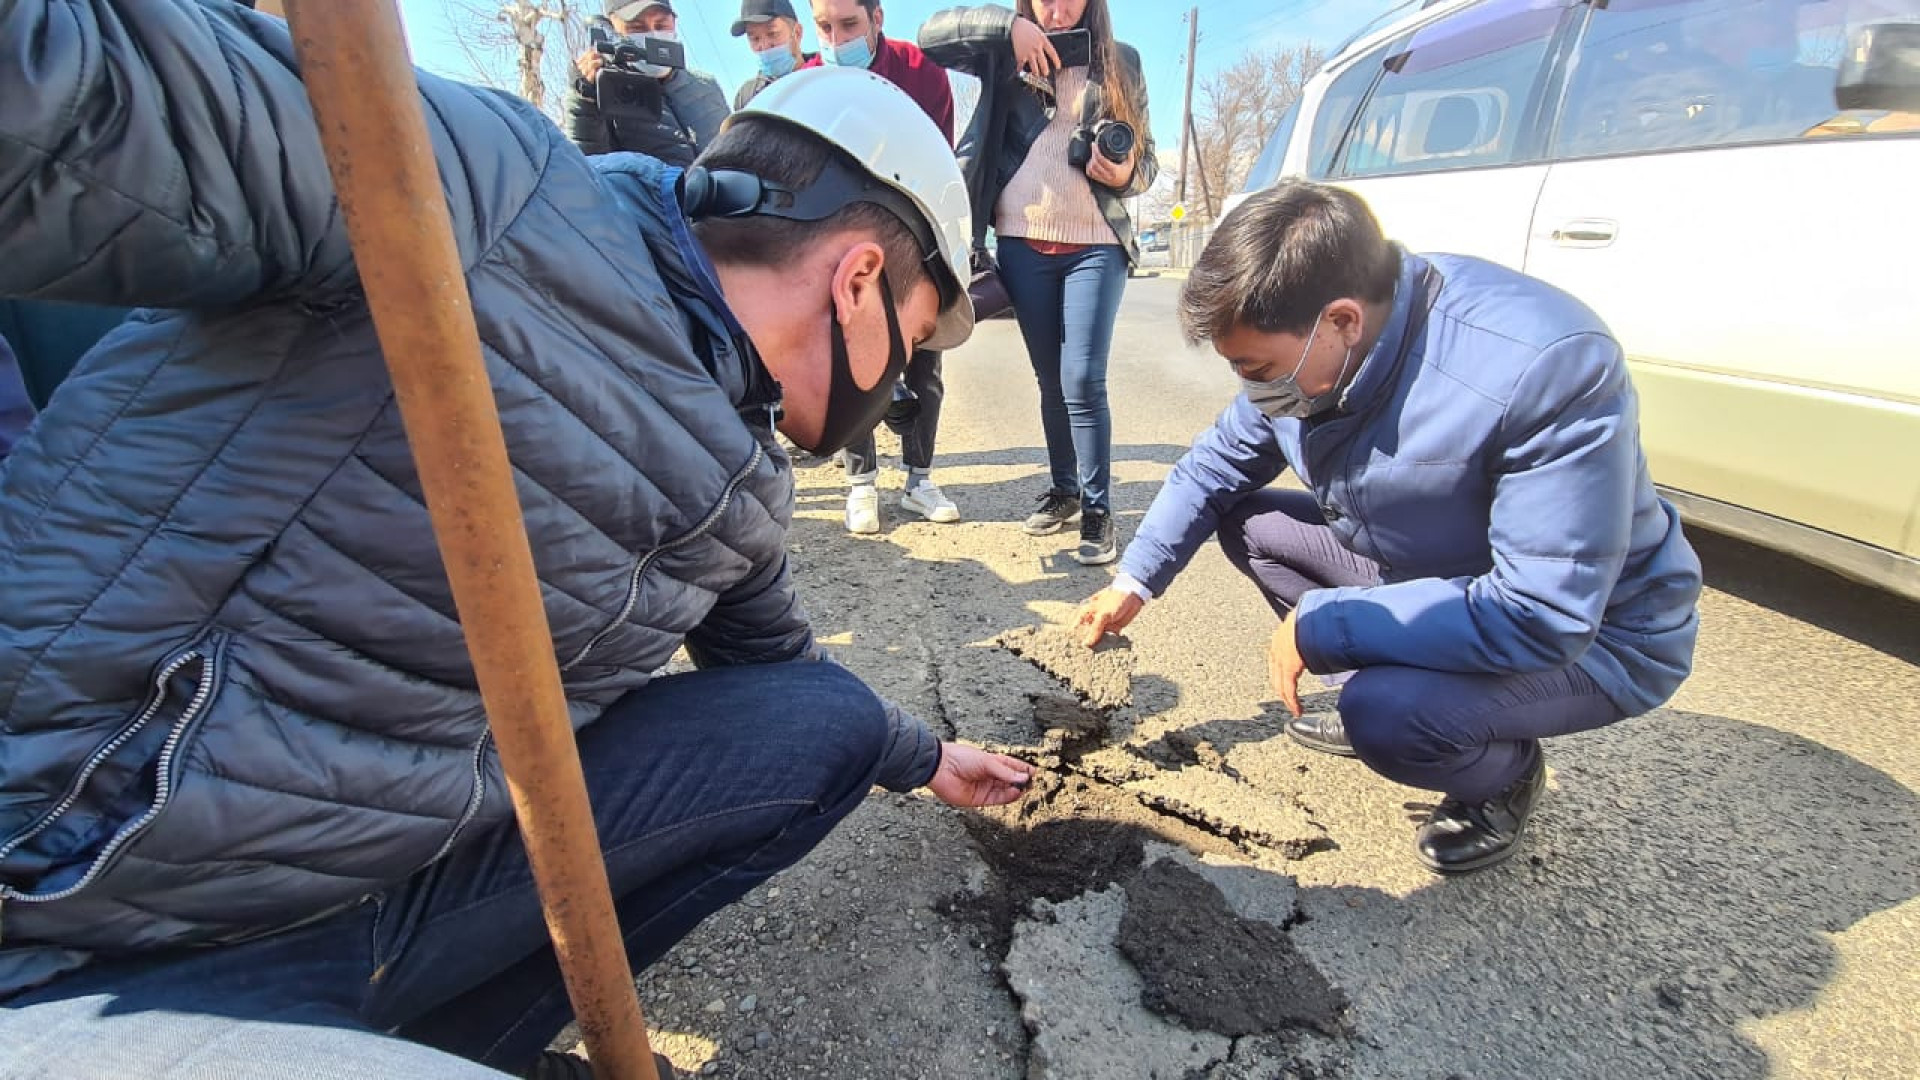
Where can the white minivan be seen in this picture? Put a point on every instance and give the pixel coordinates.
(1734, 185)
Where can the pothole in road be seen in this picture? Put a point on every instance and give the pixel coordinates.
(1079, 830)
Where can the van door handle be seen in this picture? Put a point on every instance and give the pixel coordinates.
(1586, 233)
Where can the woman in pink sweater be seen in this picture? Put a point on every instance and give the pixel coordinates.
(1056, 146)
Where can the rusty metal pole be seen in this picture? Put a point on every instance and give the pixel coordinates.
(354, 61)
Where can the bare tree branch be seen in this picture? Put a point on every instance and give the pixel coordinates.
(1238, 109)
(520, 45)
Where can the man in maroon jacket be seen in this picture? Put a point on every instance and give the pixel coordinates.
(850, 36)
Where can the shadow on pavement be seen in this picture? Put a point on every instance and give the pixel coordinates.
(1682, 883)
(1799, 590)
(1658, 910)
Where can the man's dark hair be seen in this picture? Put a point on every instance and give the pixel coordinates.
(783, 154)
(1281, 257)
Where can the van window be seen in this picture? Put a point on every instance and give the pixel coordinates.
(1336, 110)
(1674, 74)
(1457, 94)
(1266, 167)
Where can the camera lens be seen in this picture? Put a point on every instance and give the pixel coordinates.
(1116, 141)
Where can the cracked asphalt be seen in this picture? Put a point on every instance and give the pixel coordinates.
(1724, 888)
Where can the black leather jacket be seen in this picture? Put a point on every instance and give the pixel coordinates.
(979, 41)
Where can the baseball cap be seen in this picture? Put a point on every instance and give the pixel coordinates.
(759, 11)
(629, 10)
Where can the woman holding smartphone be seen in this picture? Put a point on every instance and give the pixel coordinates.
(1056, 144)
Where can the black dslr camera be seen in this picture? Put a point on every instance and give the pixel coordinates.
(1115, 138)
(628, 85)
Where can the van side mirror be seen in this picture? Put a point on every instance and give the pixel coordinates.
(1881, 69)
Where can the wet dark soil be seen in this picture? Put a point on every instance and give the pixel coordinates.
(1207, 967)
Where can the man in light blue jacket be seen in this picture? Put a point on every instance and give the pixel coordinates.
(1479, 555)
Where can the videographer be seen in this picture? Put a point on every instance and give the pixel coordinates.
(673, 125)
(1053, 151)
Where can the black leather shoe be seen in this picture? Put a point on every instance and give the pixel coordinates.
(1463, 837)
(1324, 732)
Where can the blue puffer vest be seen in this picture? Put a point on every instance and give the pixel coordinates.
(233, 693)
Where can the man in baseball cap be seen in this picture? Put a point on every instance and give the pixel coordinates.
(773, 33)
(755, 12)
(684, 115)
(631, 10)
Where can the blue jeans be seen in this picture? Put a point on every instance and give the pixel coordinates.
(1466, 734)
(703, 785)
(1066, 305)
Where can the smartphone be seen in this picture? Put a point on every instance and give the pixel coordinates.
(1074, 46)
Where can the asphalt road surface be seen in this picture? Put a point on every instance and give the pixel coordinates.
(1723, 888)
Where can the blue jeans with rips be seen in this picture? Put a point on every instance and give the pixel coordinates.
(703, 785)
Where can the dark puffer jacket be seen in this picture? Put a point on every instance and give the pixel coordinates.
(1009, 117)
(233, 694)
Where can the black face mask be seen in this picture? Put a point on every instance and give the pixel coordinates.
(852, 411)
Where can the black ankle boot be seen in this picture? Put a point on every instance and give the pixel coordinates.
(1463, 837)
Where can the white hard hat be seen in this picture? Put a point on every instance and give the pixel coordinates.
(880, 127)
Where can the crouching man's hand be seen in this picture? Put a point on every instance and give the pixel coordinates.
(970, 776)
(1106, 612)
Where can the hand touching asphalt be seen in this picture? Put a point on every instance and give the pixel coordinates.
(1284, 665)
(1106, 612)
(970, 776)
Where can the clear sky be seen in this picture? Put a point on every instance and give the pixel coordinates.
(1228, 29)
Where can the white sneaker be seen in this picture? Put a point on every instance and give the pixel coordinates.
(863, 509)
(927, 500)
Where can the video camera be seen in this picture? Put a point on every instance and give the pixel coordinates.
(628, 85)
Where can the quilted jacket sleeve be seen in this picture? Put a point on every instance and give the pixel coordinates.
(158, 154)
(760, 622)
(696, 98)
(1238, 455)
(1568, 459)
(585, 126)
(164, 154)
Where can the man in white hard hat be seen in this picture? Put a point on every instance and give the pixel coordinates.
(250, 819)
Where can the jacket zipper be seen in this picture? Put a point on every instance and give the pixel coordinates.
(640, 570)
(163, 769)
(155, 700)
(473, 801)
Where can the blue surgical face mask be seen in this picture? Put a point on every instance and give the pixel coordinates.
(1282, 397)
(776, 61)
(857, 53)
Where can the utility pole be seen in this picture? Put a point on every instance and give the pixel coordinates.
(1186, 108)
(1200, 167)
